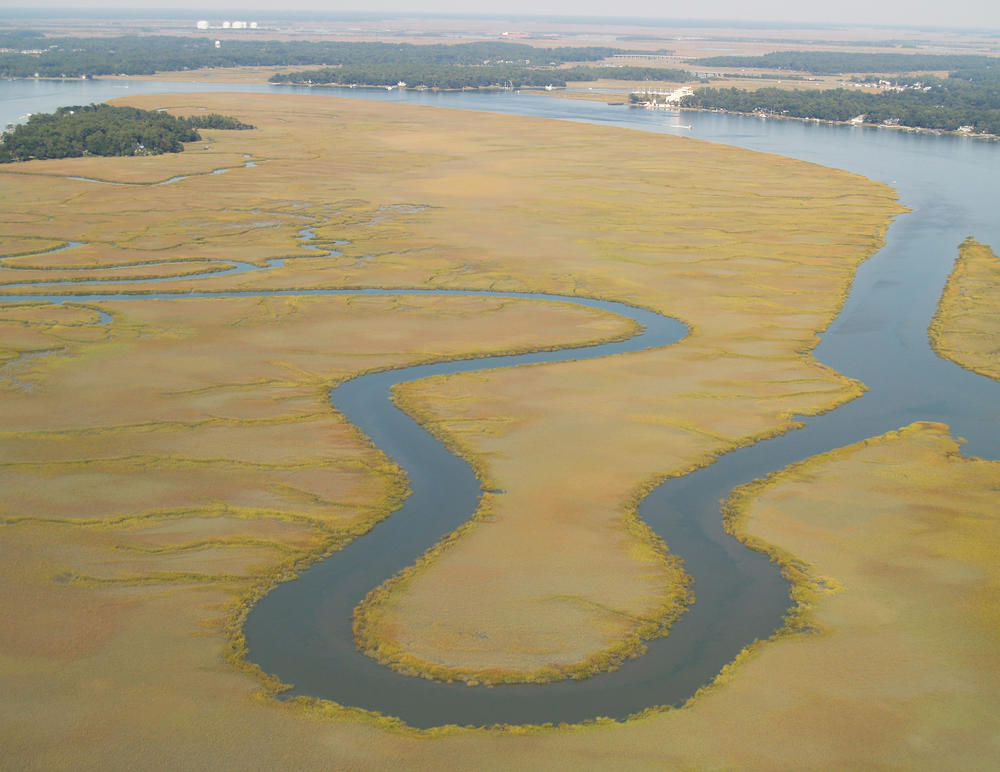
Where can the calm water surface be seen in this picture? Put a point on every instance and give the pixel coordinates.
(301, 631)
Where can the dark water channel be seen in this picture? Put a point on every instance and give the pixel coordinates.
(302, 630)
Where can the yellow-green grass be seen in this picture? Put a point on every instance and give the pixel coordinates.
(190, 443)
(892, 538)
(700, 231)
(640, 215)
(199, 158)
(246, 74)
(532, 592)
(161, 471)
(966, 327)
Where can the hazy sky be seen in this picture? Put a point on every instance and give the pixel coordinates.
(951, 13)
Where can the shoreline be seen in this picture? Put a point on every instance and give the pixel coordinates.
(242, 75)
(758, 676)
(965, 297)
(772, 116)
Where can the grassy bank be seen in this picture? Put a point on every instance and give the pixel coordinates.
(966, 327)
(162, 470)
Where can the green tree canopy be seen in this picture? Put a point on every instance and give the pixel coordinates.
(105, 130)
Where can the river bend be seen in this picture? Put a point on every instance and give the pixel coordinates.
(301, 631)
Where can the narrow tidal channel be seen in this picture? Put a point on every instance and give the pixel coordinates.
(301, 632)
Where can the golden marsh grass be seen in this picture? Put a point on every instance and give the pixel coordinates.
(966, 327)
(161, 471)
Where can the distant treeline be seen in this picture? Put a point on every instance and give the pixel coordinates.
(483, 76)
(135, 55)
(831, 63)
(968, 98)
(107, 131)
(749, 76)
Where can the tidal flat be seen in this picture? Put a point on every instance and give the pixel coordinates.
(160, 469)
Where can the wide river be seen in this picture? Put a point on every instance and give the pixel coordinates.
(301, 631)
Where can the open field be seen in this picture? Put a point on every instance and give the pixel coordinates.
(159, 470)
(966, 328)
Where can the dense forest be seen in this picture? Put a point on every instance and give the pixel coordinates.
(834, 62)
(482, 76)
(134, 55)
(967, 98)
(105, 130)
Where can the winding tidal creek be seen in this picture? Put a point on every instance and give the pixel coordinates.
(301, 631)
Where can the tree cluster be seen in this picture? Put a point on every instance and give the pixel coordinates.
(972, 100)
(135, 55)
(626, 73)
(834, 62)
(414, 75)
(472, 77)
(105, 130)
